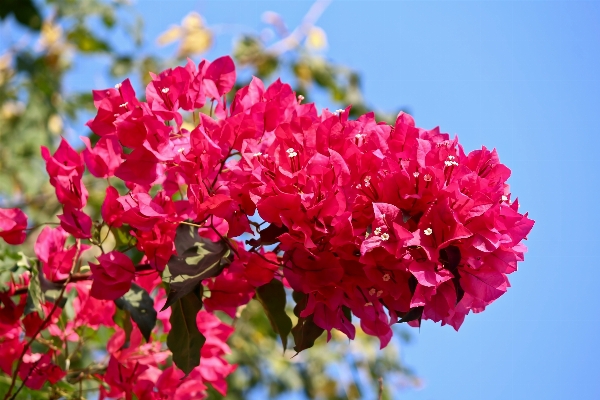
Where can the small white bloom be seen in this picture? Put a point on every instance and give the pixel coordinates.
(257, 154)
(504, 197)
(385, 236)
(372, 291)
(118, 86)
(165, 90)
(416, 174)
(379, 293)
(428, 231)
(368, 304)
(123, 105)
(300, 97)
(427, 178)
(386, 277)
(377, 231)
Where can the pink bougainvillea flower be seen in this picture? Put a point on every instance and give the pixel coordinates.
(37, 369)
(112, 276)
(66, 168)
(13, 223)
(104, 158)
(139, 167)
(76, 222)
(112, 210)
(57, 260)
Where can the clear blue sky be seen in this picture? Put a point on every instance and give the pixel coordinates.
(519, 76)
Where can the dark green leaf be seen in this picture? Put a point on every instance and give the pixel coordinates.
(412, 315)
(185, 340)
(198, 258)
(140, 305)
(306, 331)
(268, 235)
(272, 297)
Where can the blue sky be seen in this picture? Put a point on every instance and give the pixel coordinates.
(520, 76)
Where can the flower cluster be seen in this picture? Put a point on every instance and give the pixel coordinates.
(389, 223)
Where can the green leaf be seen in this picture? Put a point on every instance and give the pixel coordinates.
(413, 314)
(12, 264)
(306, 331)
(140, 305)
(272, 297)
(86, 42)
(268, 235)
(184, 339)
(35, 296)
(198, 259)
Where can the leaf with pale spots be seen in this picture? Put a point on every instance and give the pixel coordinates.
(198, 259)
(138, 303)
